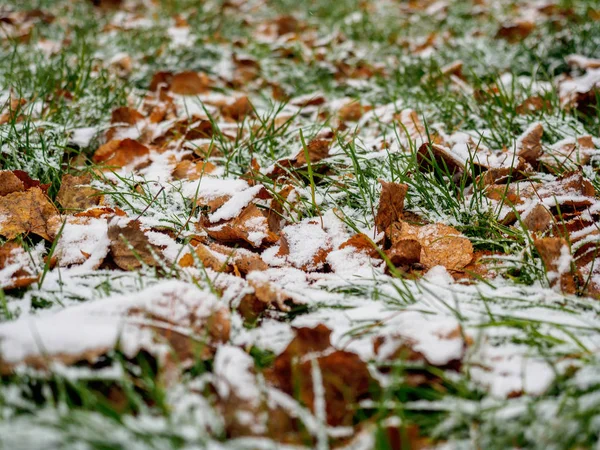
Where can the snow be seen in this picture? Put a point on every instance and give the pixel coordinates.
(82, 137)
(210, 188)
(305, 240)
(233, 207)
(96, 326)
(479, 324)
(83, 241)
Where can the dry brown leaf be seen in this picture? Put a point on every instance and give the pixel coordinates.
(533, 104)
(500, 175)
(346, 379)
(80, 239)
(238, 402)
(317, 149)
(479, 268)
(250, 226)
(556, 256)
(440, 244)
(102, 211)
(397, 346)
(244, 260)
(126, 115)
(119, 153)
(351, 112)
(399, 435)
(76, 194)
(506, 193)
(206, 257)
(277, 208)
(530, 144)
(13, 255)
(410, 125)
(428, 154)
(10, 183)
(190, 83)
(538, 219)
(200, 342)
(25, 212)
(192, 170)
(404, 252)
(391, 204)
(191, 329)
(581, 62)
(577, 153)
(514, 32)
(297, 255)
(362, 244)
(190, 129)
(238, 110)
(29, 182)
(269, 293)
(129, 245)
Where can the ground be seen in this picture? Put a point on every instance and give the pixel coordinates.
(299, 224)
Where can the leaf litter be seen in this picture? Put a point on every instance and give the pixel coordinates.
(265, 289)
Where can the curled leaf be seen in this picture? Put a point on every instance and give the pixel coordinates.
(391, 204)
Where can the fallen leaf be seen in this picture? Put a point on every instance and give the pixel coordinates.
(10, 183)
(429, 155)
(238, 110)
(269, 293)
(317, 149)
(189, 83)
(129, 245)
(207, 258)
(533, 104)
(538, 219)
(192, 170)
(239, 398)
(120, 153)
(76, 194)
(351, 112)
(529, 144)
(29, 182)
(305, 245)
(567, 155)
(557, 259)
(346, 379)
(80, 240)
(440, 244)
(516, 31)
(15, 268)
(126, 115)
(404, 252)
(176, 323)
(362, 244)
(25, 212)
(249, 226)
(391, 204)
